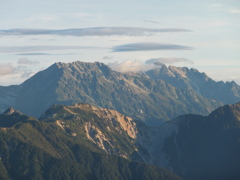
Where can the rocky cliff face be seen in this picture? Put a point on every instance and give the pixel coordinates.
(115, 119)
(109, 130)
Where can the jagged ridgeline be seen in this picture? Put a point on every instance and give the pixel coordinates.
(154, 96)
(73, 142)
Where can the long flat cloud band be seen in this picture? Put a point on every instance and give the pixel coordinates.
(94, 31)
(120, 48)
(149, 47)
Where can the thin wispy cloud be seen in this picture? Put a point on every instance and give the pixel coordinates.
(107, 57)
(167, 60)
(94, 31)
(84, 15)
(42, 18)
(216, 7)
(26, 61)
(234, 11)
(34, 54)
(149, 47)
(151, 21)
(21, 70)
(16, 49)
(44, 54)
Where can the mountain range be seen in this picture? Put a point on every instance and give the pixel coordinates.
(85, 142)
(154, 96)
(86, 121)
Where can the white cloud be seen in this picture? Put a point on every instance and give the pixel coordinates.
(216, 5)
(220, 23)
(234, 11)
(10, 74)
(168, 61)
(6, 68)
(84, 15)
(23, 72)
(107, 57)
(151, 21)
(131, 66)
(27, 61)
(136, 66)
(42, 18)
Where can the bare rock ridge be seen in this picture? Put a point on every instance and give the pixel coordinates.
(106, 128)
(112, 116)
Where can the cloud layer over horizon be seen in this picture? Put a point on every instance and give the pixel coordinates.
(93, 31)
(148, 46)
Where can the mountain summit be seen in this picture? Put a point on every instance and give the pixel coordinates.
(185, 78)
(9, 111)
(11, 117)
(148, 96)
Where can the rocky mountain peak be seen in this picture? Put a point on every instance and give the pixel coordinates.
(178, 71)
(10, 111)
(10, 117)
(59, 64)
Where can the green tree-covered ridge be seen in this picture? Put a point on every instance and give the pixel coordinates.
(58, 147)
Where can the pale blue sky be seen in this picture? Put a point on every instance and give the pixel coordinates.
(200, 34)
